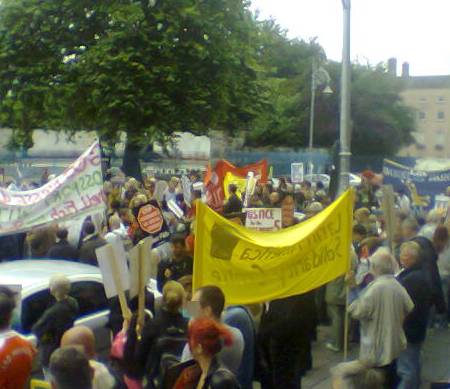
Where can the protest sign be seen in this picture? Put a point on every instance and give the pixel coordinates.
(421, 186)
(388, 206)
(187, 190)
(297, 172)
(139, 275)
(151, 221)
(136, 268)
(253, 266)
(249, 188)
(263, 219)
(113, 266)
(77, 191)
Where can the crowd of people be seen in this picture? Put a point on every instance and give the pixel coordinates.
(398, 287)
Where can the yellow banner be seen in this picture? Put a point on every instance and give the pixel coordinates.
(240, 182)
(255, 266)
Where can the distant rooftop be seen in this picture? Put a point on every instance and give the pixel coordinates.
(427, 82)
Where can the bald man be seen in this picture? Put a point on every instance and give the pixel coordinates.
(84, 337)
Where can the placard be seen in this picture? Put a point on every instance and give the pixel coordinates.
(135, 267)
(263, 219)
(112, 260)
(297, 172)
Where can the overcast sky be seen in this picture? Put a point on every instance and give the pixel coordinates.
(416, 31)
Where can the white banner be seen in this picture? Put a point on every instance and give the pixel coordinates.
(263, 219)
(77, 191)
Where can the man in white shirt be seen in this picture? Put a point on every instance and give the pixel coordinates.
(211, 304)
(381, 309)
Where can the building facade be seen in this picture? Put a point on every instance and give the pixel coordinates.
(429, 96)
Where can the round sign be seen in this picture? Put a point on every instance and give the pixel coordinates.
(150, 219)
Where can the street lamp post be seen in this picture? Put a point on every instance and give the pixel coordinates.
(344, 125)
(319, 76)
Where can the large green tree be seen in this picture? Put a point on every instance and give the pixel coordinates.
(381, 123)
(148, 68)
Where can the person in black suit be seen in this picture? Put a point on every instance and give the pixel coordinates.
(62, 249)
(234, 203)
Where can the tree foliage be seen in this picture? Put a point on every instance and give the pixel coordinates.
(154, 67)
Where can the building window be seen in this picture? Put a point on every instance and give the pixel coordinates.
(422, 115)
(441, 115)
(440, 137)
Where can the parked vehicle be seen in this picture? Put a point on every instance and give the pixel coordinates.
(86, 287)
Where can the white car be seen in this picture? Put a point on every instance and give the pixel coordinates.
(354, 179)
(86, 287)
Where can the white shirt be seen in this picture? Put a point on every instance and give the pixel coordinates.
(102, 377)
(381, 309)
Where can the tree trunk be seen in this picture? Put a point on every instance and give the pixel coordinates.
(131, 165)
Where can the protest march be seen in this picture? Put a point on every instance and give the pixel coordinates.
(217, 279)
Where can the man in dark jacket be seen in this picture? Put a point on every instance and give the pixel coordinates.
(429, 260)
(91, 242)
(176, 267)
(234, 203)
(56, 319)
(284, 340)
(62, 249)
(414, 279)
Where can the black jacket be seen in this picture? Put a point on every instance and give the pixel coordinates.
(416, 283)
(50, 328)
(63, 250)
(233, 205)
(430, 258)
(183, 267)
(218, 377)
(88, 247)
(166, 333)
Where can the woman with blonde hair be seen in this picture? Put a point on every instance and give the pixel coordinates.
(163, 338)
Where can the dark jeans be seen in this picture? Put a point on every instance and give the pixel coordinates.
(283, 364)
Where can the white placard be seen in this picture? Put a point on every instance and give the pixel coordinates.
(297, 172)
(187, 193)
(175, 209)
(263, 219)
(105, 257)
(134, 265)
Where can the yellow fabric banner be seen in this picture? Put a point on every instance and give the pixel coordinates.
(256, 266)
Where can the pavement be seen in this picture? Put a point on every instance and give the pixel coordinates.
(436, 360)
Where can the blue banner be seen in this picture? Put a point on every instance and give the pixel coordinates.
(421, 186)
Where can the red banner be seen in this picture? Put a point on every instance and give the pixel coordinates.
(214, 179)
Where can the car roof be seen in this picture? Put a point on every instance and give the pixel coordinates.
(35, 274)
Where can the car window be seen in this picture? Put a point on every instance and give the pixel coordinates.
(90, 296)
(33, 307)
